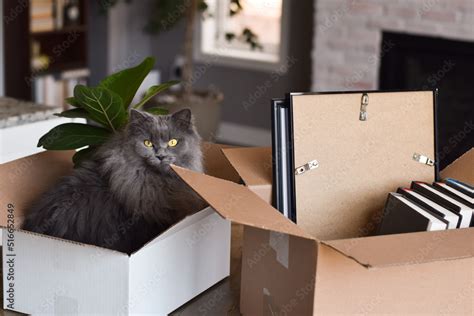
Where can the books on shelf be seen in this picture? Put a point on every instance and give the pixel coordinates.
(41, 15)
(48, 15)
(59, 14)
(52, 89)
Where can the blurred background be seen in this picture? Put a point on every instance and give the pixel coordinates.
(235, 55)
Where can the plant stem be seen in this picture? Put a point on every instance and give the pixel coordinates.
(191, 13)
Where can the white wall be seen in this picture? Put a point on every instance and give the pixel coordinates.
(348, 34)
(116, 39)
(127, 43)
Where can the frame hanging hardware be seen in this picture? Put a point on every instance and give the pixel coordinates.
(313, 164)
(364, 102)
(423, 159)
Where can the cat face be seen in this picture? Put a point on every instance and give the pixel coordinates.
(165, 139)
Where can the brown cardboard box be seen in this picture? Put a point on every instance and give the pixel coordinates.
(286, 271)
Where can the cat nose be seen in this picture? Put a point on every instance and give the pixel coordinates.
(160, 157)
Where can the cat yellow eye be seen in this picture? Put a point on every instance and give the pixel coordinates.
(173, 142)
(148, 143)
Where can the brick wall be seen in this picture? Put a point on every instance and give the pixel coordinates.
(348, 35)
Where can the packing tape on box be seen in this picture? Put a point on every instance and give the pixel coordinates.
(280, 243)
(269, 308)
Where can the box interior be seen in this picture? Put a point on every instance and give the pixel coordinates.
(333, 201)
(184, 223)
(254, 165)
(25, 179)
(462, 169)
(238, 204)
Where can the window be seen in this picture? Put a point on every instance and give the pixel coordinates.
(245, 33)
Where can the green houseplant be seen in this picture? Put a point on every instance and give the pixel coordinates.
(106, 106)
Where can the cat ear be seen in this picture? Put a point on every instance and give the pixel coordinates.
(183, 116)
(136, 115)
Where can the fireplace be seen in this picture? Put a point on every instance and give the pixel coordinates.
(422, 62)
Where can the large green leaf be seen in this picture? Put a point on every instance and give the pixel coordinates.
(73, 102)
(154, 90)
(74, 113)
(104, 106)
(126, 82)
(72, 136)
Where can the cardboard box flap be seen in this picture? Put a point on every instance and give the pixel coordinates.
(360, 161)
(461, 169)
(216, 164)
(238, 204)
(405, 249)
(25, 179)
(253, 164)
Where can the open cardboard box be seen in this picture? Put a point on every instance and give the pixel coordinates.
(286, 271)
(46, 275)
(325, 264)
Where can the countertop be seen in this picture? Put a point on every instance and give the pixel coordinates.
(14, 112)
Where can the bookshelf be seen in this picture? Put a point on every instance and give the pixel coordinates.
(45, 49)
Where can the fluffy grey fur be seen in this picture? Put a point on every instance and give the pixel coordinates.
(126, 194)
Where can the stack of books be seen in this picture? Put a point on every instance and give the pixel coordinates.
(52, 89)
(429, 207)
(42, 16)
(47, 15)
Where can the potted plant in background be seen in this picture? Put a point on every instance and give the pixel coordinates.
(205, 104)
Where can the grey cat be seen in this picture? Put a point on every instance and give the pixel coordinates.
(126, 194)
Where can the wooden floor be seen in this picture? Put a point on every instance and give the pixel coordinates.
(220, 300)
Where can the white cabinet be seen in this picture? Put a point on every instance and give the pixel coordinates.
(20, 141)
